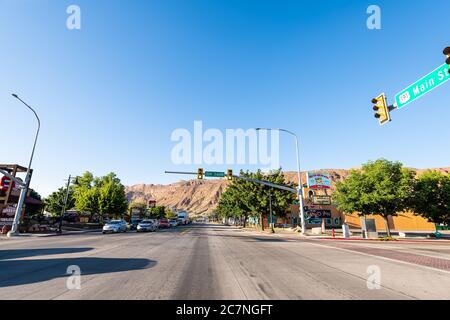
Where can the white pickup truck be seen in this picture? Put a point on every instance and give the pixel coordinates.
(183, 216)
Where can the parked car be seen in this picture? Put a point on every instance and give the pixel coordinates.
(154, 221)
(115, 226)
(173, 222)
(164, 223)
(146, 225)
(134, 223)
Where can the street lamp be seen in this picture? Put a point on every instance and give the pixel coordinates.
(300, 184)
(24, 188)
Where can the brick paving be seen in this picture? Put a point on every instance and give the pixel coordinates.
(421, 260)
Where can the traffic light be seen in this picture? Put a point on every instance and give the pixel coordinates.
(200, 173)
(382, 110)
(230, 174)
(447, 53)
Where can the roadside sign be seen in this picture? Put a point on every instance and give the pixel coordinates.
(214, 174)
(317, 214)
(424, 85)
(5, 182)
(321, 200)
(318, 180)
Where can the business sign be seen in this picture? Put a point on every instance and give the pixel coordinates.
(422, 86)
(318, 180)
(7, 215)
(317, 213)
(321, 200)
(5, 182)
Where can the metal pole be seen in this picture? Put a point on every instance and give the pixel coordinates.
(300, 186)
(24, 190)
(300, 183)
(63, 211)
(270, 210)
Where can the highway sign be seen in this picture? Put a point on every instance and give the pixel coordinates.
(321, 200)
(424, 85)
(214, 174)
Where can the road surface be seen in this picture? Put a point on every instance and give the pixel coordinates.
(207, 261)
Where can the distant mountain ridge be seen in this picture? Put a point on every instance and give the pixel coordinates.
(201, 196)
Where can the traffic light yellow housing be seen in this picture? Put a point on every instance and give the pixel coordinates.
(230, 174)
(447, 53)
(381, 109)
(200, 173)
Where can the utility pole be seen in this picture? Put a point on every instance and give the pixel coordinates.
(63, 211)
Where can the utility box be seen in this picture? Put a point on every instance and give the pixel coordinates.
(372, 235)
(345, 230)
(368, 227)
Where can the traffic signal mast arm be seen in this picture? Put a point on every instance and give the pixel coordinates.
(269, 184)
(230, 175)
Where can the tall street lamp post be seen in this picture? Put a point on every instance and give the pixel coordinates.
(300, 183)
(24, 188)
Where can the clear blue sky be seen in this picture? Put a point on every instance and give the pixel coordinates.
(110, 95)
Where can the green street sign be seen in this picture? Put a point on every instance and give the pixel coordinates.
(421, 87)
(214, 174)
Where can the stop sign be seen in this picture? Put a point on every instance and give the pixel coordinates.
(5, 182)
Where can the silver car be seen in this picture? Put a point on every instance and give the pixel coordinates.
(115, 226)
(146, 225)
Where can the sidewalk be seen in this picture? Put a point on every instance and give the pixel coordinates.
(411, 236)
(50, 234)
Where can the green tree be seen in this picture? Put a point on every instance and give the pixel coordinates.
(33, 209)
(112, 199)
(86, 194)
(431, 197)
(55, 201)
(169, 214)
(243, 198)
(157, 212)
(381, 187)
(100, 195)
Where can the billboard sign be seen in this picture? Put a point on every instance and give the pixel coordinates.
(317, 180)
(317, 213)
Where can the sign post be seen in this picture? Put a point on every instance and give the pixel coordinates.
(422, 86)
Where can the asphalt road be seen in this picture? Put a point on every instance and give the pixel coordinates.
(218, 262)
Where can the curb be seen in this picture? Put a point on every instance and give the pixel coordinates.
(53, 234)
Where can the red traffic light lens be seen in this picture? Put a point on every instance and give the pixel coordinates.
(374, 100)
(447, 51)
